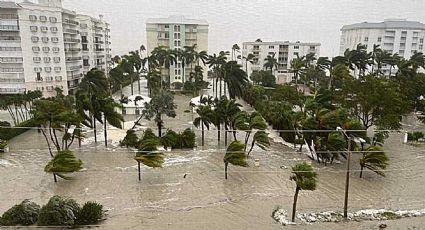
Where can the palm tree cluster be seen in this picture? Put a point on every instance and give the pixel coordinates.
(19, 106)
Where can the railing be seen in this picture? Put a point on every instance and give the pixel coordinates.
(73, 59)
(12, 90)
(10, 38)
(98, 35)
(9, 28)
(11, 70)
(73, 50)
(100, 63)
(12, 80)
(74, 68)
(71, 40)
(71, 31)
(72, 22)
(100, 50)
(98, 42)
(9, 16)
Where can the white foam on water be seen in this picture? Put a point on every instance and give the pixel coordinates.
(6, 163)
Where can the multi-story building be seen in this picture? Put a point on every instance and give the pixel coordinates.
(176, 32)
(42, 48)
(283, 52)
(395, 36)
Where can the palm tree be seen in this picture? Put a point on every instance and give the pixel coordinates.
(215, 62)
(227, 109)
(297, 66)
(235, 155)
(148, 154)
(305, 178)
(110, 115)
(249, 122)
(417, 60)
(250, 59)
(186, 57)
(374, 159)
(161, 104)
(205, 117)
(270, 62)
(235, 48)
(392, 61)
(235, 78)
(261, 139)
(62, 163)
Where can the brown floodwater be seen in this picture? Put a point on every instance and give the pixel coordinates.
(190, 192)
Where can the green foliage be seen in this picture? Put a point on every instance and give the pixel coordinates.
(148, 153)
(3, 145)
(235, 154)
(177, 85)
(304, 176)
(188, 139)
(25, 213)
(59, 212)
(9, 133)
(130, 139)
(63, 162)
(171, 139)
(374, 159)
(263, 78)
(90, 214)
(415, 136)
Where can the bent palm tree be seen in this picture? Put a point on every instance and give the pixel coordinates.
(63, 162)
(374, 159)
(204, 120)
(261, 139)
(305, 178)
(235, 155)
(148, 154)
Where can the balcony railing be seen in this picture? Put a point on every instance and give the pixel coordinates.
(12, 80)
(74, 68)
(9, 28)
(11, 90)
(100, 50)
(72, 50)
(100, 63)
(71, 22)
(10, 38)
(9, 16)
(71, 31)
(70, 59)
(98, 35)
(11, 70)
(71, 40)
(98, 42)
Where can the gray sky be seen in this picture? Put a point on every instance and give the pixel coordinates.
(235, 21)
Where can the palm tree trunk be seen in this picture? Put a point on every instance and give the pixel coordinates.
(225, 134)
(54, 178)
(202, 134)
(159, 129)
(131, 79)
(218, 134)
(361, 171)
(225, 170)
(94, 129)
(294, 207)
(138, 83)
(138, 169)
(252, 147)
(105, 132)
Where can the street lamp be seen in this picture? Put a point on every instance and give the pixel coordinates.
(347, 176)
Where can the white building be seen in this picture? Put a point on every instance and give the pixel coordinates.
(40, 48)
(176, 32)
(284, 52)
(395, 36)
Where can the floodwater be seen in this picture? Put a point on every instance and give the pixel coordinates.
(190, 191)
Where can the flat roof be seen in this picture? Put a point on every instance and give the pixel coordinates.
(387, 24)
(9, 5)
(176, 19)
(282, 43)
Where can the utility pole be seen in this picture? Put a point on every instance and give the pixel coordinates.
(347, 179)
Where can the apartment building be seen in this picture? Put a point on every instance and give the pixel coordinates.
(41, 48)
(176, 32)
(394, 35)
(283, 51)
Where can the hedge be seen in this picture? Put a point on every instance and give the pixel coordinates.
(9, 133)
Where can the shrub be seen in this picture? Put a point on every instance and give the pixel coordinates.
(415, 136)
(171, 139)
(59, 212)
(130, 140)
(188, 139)
(3, 145)
(91, 213)
(9, 133)
(25, 213)
(177, 85)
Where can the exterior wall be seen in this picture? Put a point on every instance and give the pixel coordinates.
(12, 78)
(176, 35)
(41, 47)
(284, 52)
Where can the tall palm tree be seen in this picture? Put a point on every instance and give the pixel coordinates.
(248, 123)
(205, 114)
(235, 155)
(305, 179)
(235, 78)
(227, 109)
(148, 154)
(270, 62)
(235, 49)
(249, 58)
(110, 115)
(374, 159)
(417, 60)
(215, 62)
(297, 66)
(392, 61)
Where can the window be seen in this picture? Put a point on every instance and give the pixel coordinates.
(36, 49)
(38, 69)
(167, 35)
(177, 28)
(49, 88)
(421, 40)
(49, 79)
(58, 69)
(296, 54)
(379, 39)
(56, 59)
(33, 18)
(83, 26)
(33, 28)
(271, 47)
(366, 39)
(84, 39)
(45, 39)
(53, 19)
(55, 49)
(421, 47)
(167, 26)
(296, 47)
(43, 18)
(415, 34)
(44, 29)
(54, 29)
(86, 62)
(47, 59)
(85, 48)
(58, 78)
(36, 59)
(35, 39)
(48, 69)
(46, 49)
(312, 47)
(38, 77)
(55, 39)
(176, 35)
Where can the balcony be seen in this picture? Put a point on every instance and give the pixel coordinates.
(9, 28)
(11, 90)
(70, 22)
(69, 50)
(100, 50)
(12, 80)
(101, 63)
(71, 31)
(11, 70)
(10, 38)
(9, 16)
(74, 76)
(74, 68)
(98, 35)
(71, 40)
(71, 59)
(98, 42)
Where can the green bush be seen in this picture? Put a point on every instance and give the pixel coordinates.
(415, 136)
(171, 139)
(177, 85)
(59, 212)
(130, 140)
(3, 145)
(9, 133)
(188, 139)
(25, 213)
(91, 213)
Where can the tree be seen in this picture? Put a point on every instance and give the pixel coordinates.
(263, 78)
(204, 120)
(148, 154)
(248, 123)
(297, 66)
(110, 115)
(235, 78)
(261, 139)
(270, 62)
(235, 155)
(63, 162)
(305, 179)
(235, 49)
(227, 110)
(160, 104)
(374, 159)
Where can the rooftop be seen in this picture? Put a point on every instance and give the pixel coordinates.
(174, 19)
(9, 5)
(387, 24)
(282, 43)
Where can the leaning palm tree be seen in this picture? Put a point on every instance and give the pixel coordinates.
(148, 154)
(261, 139)
(235, 78)
(374, 159)
(305, 178)
(235, 155)
(63, 162)
(204, 120)
(110, 115)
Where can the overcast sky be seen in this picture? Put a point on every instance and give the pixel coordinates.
(235, 21)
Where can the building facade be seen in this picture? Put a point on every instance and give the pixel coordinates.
(41, 48)
(283, 52)
(176, 32)
(395, 36)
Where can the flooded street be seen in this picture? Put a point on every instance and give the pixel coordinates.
(203, 199)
